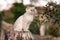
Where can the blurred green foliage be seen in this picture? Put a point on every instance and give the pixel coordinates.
(0, 22)
(1, 14)
(18, 9)
(35, 25)
(53, 12)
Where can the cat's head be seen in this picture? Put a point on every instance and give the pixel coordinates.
(32, 11)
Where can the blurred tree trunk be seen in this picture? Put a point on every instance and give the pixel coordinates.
(6, 27)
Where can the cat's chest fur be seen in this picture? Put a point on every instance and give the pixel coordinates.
(29, 17)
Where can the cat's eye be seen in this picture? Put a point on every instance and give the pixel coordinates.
(33, 10)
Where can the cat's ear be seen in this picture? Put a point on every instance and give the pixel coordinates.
(27, 8)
